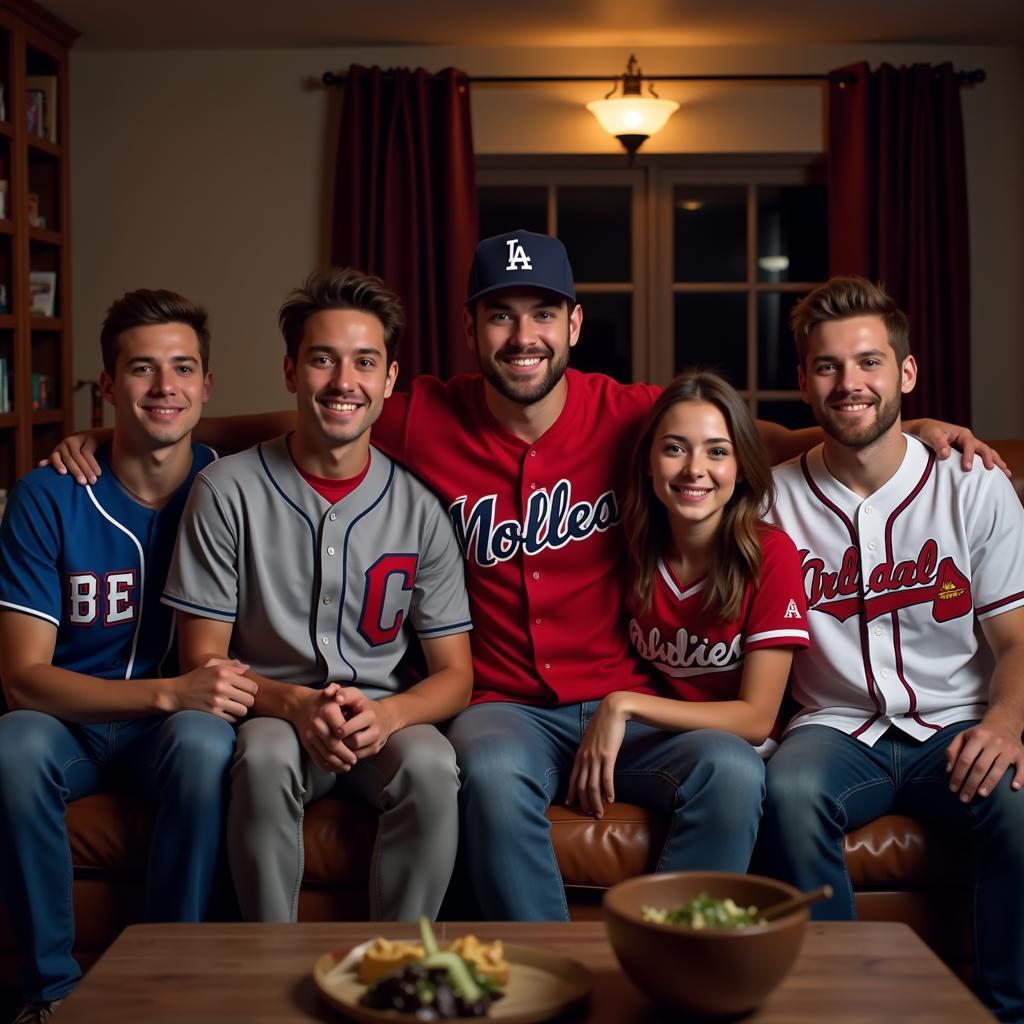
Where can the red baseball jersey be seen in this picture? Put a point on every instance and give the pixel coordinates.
(539, 525)
(701, 656)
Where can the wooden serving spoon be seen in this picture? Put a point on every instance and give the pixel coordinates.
(823, 892)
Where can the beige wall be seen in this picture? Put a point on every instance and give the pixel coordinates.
(202, 172)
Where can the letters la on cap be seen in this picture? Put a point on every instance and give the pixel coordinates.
(520, 259)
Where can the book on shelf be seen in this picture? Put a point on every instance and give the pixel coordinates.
(42, 391)
(42, 94)
(43, 289)
(34, 217)
(5, 387)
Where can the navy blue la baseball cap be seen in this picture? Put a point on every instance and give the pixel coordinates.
(520, 259)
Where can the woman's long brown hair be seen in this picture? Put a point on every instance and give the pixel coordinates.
(736, 553)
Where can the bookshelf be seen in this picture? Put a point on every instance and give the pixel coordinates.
(35, 257)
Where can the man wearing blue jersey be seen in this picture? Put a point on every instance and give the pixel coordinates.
(87, 654)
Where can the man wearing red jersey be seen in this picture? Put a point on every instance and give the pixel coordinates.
(530, 458)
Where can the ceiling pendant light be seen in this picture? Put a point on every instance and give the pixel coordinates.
(632, 117)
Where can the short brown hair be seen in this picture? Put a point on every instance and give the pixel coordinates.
(146, 306)
(341, 288)
(843, 297)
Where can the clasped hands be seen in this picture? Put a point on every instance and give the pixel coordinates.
(339, 726)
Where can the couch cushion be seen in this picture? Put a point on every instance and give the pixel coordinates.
(338, 837)
(893, 852)
(111, 832)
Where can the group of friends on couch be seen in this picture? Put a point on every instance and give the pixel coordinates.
(615, 596)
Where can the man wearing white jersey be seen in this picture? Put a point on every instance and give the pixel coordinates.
(902, 708)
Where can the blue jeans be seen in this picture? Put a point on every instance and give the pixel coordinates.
(515, 760)
(180, 761)
(823, 784)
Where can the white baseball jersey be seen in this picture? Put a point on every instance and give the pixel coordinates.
(895, 583)
(318, 592)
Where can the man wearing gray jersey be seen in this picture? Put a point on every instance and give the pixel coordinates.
(314, 554)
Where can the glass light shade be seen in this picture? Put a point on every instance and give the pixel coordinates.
(632, 115)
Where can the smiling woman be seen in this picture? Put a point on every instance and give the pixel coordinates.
(717, 610)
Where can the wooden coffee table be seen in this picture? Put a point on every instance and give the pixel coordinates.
(847, 973)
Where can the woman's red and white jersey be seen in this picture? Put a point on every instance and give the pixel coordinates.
(700, 656)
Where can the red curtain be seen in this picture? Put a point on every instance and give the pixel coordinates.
(405, 204)
(897, 194)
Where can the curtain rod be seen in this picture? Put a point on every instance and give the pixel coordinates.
(969, 78)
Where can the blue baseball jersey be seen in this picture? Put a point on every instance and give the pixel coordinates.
(92, 561)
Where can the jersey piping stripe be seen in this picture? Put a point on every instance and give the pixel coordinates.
(312, 535)
(867, 725)
(167, 649)
(827, 502)
(185, 606)
(985, 609)
(142, 574)
(928, 725)
(862, 618)
(775, 634)
(34, 612)
(344, 560)
(670, 582)
(897, 643)
(288, 501)
(455, 627)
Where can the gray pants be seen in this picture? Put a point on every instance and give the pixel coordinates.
(413, 783)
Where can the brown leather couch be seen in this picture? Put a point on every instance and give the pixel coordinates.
(900, 870)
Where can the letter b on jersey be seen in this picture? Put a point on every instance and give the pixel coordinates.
(389, 583)
(117, 597)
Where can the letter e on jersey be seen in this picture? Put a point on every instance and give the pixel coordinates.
(118, 598)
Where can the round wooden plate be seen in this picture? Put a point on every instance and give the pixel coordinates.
(541, 985)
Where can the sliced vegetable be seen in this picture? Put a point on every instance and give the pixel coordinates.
(460, 974)
(427, 937)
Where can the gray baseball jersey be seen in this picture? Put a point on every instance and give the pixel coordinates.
(895, 583)
(317, 592)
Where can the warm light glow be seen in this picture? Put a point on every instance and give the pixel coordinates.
(690, 205)
(632, 115)
(773, 264)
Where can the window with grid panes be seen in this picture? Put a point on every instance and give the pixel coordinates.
(679, 263)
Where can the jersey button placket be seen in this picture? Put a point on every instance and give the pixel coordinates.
(536, 595)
